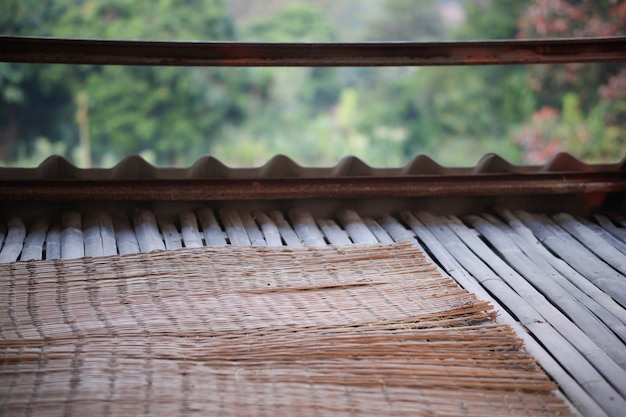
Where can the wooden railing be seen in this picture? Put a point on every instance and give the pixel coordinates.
(192, 53)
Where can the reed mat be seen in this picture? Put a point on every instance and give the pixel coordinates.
(351, 330)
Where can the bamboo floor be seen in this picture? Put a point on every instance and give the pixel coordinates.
(558, 282)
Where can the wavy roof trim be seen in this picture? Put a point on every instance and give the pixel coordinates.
(281, 166)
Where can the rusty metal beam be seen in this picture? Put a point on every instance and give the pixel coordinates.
(187, 53)
(309, 188)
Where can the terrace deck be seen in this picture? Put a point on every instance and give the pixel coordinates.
(559, 281)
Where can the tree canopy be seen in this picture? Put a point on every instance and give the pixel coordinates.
(95, 115)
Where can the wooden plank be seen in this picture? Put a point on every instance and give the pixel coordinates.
(53, 242)
(171, 236)
(14, 241)
(607, 224)
(213, 233)
(35, 239)
(254, 234)
(286, 232)
(235, 230)
(594, 242)
(334, 234)
(576, 255)
(357, 230)
(568, 356)
(124, 235)
(377, 230)
(305, 228)
(147, 231)
(559, 296)
(72, 245)
(538, 252)
(189, 229)
(269, 229)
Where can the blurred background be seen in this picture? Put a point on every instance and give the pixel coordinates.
(96, 115)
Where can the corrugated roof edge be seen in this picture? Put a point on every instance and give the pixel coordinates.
(281, 166)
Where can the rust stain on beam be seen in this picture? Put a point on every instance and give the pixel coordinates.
(198, 53)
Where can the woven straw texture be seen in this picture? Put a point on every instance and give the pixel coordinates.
(354, 330)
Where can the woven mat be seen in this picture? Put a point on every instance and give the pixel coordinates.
(323, 331)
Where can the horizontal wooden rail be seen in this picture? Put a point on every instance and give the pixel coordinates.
(189, 53)
(308, 188)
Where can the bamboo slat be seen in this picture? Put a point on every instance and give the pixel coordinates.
(286, 232)
(607, 236)
(98, 234)
(305, 227)
(33, 245)
(91, 234)
(355, 227)
(189, 230)
(107, 233)
(235, 229)
(334, 234)
(213, 234)
(608, 225)
(148, 236)
(14, 240)
(592, 241)
(377, 230)
(397, 231)
(72, 244)
(53, 242)
(125, 237)
(171, 236)
(254, 234)
(269, 229)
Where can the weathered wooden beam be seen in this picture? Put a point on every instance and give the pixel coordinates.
(308, 188)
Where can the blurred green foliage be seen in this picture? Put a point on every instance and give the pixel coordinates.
(96, 115)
